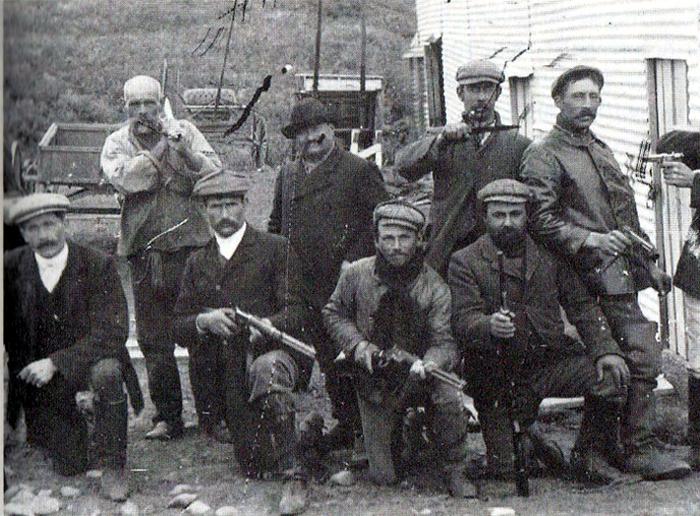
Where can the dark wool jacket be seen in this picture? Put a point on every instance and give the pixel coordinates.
(460, 169)
(260, 278)
(327, 217)
(550, 282)
(94, 320)
(579, 188)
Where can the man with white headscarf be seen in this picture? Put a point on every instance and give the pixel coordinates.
(153, 162)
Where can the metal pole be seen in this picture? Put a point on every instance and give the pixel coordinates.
(317, 57)
(223, 67)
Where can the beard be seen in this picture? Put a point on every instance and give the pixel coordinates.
(509, 240)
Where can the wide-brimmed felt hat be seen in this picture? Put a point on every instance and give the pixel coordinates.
(306, 113)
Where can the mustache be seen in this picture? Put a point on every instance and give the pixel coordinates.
(47, 243)
(317, 141)
(586, 112)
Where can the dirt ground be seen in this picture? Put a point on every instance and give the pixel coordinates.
(157, 467)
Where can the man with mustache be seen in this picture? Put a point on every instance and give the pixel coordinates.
(583, 202)
(394, 299)
(323, 204)
(236, 373)
(536, 359)
(66, 327)
(463, 158)
(153, 163)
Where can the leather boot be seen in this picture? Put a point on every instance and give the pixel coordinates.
(110, 436)
(498, 437)
(644, 458)
(294, 496)
(694, 422)
(114, 484)
(457, 483)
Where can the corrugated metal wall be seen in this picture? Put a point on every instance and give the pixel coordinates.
(618, 37)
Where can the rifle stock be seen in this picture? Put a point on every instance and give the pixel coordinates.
(522, 483)
(278, 335)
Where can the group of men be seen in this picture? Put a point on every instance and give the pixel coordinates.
(518, 231)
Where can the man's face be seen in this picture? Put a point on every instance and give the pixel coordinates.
(479, 99)
(397, 244)
(506, 223)
(579, 103)
(226, 215)
(143, 115)
(315, 142)
(45, 234)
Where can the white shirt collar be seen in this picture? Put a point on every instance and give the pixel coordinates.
(228, 245)
(51, 269)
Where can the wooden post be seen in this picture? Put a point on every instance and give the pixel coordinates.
(317, 56)
(363, 66)
(226, 51)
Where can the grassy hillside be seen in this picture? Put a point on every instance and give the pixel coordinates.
(66, 60)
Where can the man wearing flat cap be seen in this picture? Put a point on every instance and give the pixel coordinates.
(394, 299)
(236, 373)
(583, 207)
(463, 158)
(323, 204)
(153, 163)
(535, 356)
(66, 327)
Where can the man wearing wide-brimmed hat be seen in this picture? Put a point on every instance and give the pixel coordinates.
(393, 299)
(66, 327)
(236, 373)
(153, 162)
(463, 158)
(323, 204)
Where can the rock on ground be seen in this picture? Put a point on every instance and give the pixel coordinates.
(129, 509)
(18, 509)
(198, 507)
(227, 510)
(181, 501)
(45, 505)
(70, 492)
(182, 488)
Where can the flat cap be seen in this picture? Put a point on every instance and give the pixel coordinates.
(505, 190)
(222, 182)
(306, 113)
(480, 70)
(399, 213)
(142, 87)
(29, 206)
(576, 74)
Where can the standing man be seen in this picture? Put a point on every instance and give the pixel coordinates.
(323, 204)
(66, 327)
(250, 378)
(463, 158)
(686, 174)
(394, 300)
(153, 163)
(583, 204)
(536, 359)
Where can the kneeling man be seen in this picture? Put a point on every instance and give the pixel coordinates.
(66, 326)
(239, 372)
(393, 299)
(523, 345)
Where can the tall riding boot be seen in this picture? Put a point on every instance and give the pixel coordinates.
(644, 458)
(694, 421)
(111, 439)
(597, 438)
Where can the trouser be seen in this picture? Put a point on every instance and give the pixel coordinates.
(54, 422)
(692, 328)
(447, 420)
(338, 382)
(156, 281)
(636, 337)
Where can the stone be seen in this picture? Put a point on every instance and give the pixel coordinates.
(227, 510)
(69, 492)
(45, 505)
(18, 509)
(182, 500)
(11, 492)
(182, 488)
(129, 509)
(23, 497)
(197, 507)
(343, 478)
(94, 474)
(501, 511)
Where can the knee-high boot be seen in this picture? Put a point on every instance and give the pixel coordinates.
(694, 421)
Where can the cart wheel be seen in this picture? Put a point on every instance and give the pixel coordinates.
(21, 172)
(207, 96)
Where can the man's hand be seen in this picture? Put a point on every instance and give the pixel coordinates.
(614, 365)
(220, 322)
(420, 368)
(612, 243)
(363, 354)
(501, 325)
(678, 174)
(660, 281)
(455, 132)
(255, 334)
(39, 372)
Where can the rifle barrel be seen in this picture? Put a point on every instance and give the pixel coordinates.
(276, 334)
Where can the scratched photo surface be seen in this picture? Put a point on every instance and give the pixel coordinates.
(235, 68)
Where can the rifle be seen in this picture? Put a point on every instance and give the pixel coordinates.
(522, 484)
(277, 335)
(647, 249)
(468, 118)
(382, 358)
